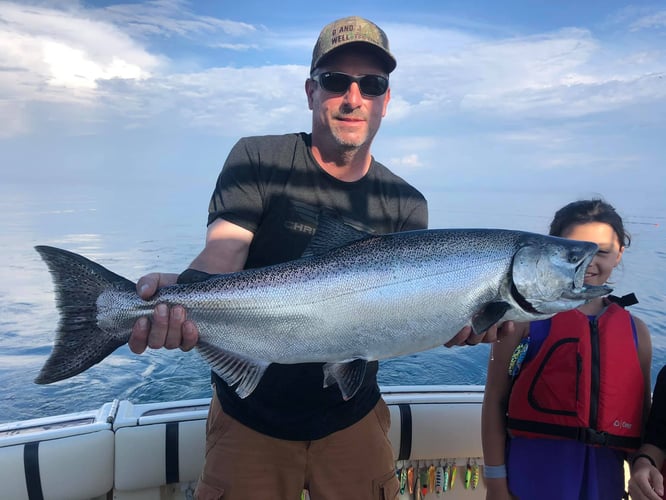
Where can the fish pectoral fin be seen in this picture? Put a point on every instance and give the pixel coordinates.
(490, 314)
(348, 375)
(234, 369)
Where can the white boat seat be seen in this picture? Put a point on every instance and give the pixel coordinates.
(49, 459)
(150, 451)
(165, 447)
(151, 455)
(417, 431)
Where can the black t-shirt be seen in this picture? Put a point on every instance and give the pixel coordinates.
(273, 187)
(655, 432)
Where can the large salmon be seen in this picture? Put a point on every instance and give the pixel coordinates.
(370, 298)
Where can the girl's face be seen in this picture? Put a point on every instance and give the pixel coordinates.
(610, 250)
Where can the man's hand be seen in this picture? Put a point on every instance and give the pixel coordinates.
(493, 334)
(168, 328)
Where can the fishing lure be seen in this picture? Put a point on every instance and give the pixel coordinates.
(417, 486)
(452, 475)
(424, 481)
(475, 474)
(431, 478)
(440, 480)
(468, 475)
(403, 479)
(518, 357)
(410, 480)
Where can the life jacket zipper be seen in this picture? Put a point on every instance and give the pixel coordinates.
(595, 378)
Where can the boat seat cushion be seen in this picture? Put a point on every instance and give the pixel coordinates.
(161, 453)
(73, 468)
(150, 455)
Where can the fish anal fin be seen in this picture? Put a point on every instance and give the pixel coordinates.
(490, 314)
(348, 375)
(237, 370)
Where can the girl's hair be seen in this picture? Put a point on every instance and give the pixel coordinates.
(584, 211)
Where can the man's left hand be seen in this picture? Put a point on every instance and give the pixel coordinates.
(493, 334)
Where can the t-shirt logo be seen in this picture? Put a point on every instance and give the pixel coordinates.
(301, 218)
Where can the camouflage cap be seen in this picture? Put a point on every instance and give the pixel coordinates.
(349, 30)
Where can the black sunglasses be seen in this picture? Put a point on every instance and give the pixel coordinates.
(338, 83)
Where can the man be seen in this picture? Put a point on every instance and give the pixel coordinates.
(291, 433)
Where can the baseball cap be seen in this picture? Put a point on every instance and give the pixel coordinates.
(352, 30)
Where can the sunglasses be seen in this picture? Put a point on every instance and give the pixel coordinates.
(338, 83)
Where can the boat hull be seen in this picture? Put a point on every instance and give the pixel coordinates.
(155, 451)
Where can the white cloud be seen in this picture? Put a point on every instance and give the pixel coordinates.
(173, 18)
(77, 57)
(651, 21)
(409, 161)
(220, 102)
(72, 67)
(25, 30)
(240, 47)
(565, 73)
(60, 56)
(68, 69)
(582, 161)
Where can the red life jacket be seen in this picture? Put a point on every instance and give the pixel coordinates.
(584, 383)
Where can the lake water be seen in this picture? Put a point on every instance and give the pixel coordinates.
(135, 230)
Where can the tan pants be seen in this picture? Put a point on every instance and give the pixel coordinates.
(355, 463)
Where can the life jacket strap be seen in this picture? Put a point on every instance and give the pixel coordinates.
(582, 434)
(624, 301)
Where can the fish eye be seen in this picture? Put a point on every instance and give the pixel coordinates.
(574, 258)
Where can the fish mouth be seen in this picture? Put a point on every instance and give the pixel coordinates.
(581, 268)
(580, 290)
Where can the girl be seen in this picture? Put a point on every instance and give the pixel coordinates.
(566, 397)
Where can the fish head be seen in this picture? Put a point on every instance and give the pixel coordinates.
(548, 274)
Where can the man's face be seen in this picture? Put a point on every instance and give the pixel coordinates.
(350, 120)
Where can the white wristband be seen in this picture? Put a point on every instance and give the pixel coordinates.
(494, 471)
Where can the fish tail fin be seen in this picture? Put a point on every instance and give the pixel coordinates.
(79, 343)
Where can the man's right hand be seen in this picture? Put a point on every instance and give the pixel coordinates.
(167, 328)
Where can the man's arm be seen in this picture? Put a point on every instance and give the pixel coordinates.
(226, 249)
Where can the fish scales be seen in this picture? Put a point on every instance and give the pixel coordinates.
(370, 298)
(343, 301)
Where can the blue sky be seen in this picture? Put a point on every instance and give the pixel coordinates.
(503, 96)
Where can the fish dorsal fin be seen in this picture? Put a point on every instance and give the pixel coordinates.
(234, 369)
(348, 376)
(489, 315)
(332, 232)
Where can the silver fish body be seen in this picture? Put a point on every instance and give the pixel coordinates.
(370, 299)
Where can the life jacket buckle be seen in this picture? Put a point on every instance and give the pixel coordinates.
(596, 438)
